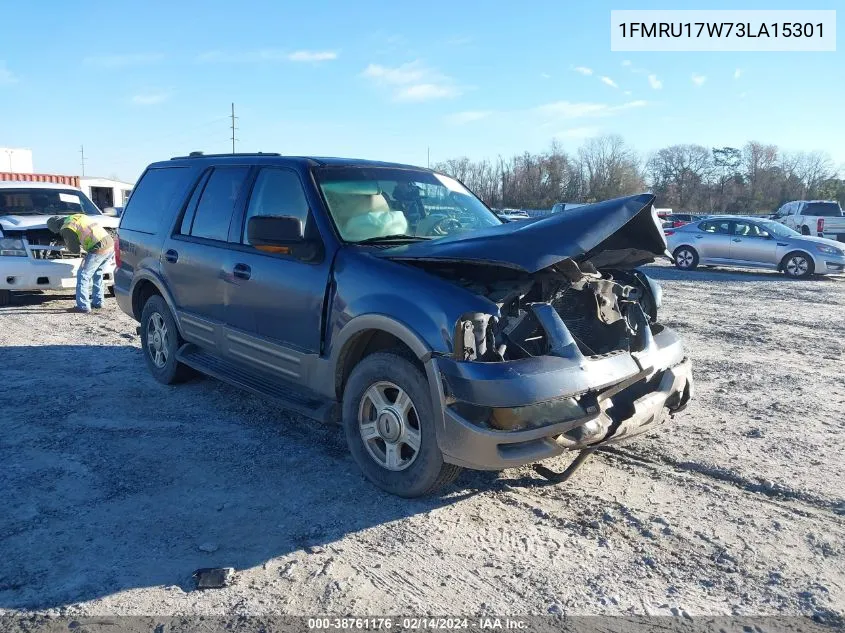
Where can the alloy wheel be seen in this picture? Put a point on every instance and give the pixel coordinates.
(389, 426)
(684, 259)
(797, 265)
(157, 342)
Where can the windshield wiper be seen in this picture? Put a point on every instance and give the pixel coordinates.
(390, 238)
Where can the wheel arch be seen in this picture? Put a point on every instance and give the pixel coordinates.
(368, 334)
(144, 286)
(797, 251)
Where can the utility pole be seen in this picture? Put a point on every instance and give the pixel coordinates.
(428, 157)
(233, 128)
(82, 153)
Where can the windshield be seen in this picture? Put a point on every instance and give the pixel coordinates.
(822, 209)
(382, 203)
(34, 201)
(778, 230)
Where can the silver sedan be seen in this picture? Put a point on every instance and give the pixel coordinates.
(754, 243)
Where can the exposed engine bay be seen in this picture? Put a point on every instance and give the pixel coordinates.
(44, 244)
(603, 311)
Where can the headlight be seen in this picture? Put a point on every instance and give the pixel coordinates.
(12, 248)
(829, 250)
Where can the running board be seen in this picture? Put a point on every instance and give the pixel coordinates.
(280, 391)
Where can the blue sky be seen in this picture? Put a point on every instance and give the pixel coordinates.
(139, 82)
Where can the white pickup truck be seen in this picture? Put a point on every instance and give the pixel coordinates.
(31, 256)
(821, 218)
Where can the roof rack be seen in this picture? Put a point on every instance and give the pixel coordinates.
(201, 155)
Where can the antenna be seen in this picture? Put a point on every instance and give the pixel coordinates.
(428, 157)
(234, 118)
(82, 154)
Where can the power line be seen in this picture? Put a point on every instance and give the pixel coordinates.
(233, 128)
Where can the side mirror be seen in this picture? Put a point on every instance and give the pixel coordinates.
(283, 235)
(110, 211)
(270, 230)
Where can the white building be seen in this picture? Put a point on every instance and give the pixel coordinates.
(17, 160)
(106, 192)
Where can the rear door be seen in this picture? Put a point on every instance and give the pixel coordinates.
(712, 240)
(194, 257)
(752, 245)
(274, 302)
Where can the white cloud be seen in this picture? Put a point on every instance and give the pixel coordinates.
(122, 61)
(583, 70)
(312, 56)
(413, 81)
(150, 98)
(7, 77)
(738, 73)
(654, 82)
(426, 92)
(698, 80)
(628, 93)
(545, 76)
(578, 132)
(580, 110)
(469, 116)
(265, 55)
(608, 81)
(626, 62)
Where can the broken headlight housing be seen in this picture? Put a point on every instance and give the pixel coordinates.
(10, 247)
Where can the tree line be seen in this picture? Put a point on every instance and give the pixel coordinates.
(692, 178)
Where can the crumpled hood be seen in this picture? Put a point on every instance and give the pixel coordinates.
(30, 222)
(623, 232)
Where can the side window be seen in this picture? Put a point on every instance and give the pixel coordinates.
(217, 204)
(277, 192)
(723, 227)
(747, 229)
(147, 209)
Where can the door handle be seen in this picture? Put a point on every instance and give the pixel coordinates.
(242, 271)
(698, 237)
(171, 256)
(736, 239)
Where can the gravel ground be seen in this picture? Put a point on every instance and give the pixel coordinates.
(117, 488)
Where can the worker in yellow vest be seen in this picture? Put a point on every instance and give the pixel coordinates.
(78, 231)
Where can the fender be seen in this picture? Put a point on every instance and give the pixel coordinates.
(147, 274)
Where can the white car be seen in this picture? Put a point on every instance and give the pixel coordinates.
(31, 256)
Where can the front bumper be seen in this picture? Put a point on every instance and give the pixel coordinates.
(609, 399)
(829, 264)
(26, 273)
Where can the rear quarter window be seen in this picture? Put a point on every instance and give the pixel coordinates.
(155, 199)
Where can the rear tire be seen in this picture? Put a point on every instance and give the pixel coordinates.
(5, 297)
(685, 258)
(387, 399)
(797, 265)
(160, 341)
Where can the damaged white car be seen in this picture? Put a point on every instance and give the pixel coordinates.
(31, 256)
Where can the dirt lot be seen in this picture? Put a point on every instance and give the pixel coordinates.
(115, 488)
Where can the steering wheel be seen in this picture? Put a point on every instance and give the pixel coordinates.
(445, 226)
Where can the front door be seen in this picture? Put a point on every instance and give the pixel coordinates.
(274, 302)
(752, 245)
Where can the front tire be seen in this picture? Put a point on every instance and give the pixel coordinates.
(388, 421)
(160, 341)
(797, 265)
(685, 258)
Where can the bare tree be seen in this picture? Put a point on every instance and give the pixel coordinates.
(679, 174)
(609, 168)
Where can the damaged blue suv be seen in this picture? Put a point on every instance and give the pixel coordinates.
(392, 300)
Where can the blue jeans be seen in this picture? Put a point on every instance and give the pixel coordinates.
(91, 268)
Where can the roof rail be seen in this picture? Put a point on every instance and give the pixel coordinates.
(201, 155)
